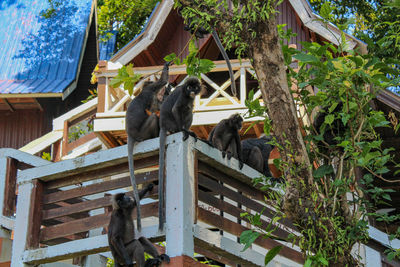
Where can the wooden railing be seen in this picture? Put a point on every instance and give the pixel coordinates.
(113, 101)
(64, 208)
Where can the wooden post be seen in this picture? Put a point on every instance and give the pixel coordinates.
(180, 196)
(65, 138)
(3, 177)
(21, 224)
(10, 188)
(35, 215)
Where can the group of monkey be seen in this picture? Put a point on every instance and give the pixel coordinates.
(175, 114)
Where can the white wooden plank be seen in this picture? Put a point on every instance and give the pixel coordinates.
(84, 148)
(43, 142)
(23, 157)
(104, 158)
(383, 238)
(21, 224)
(86, 246)
(58, 123)
(372, 257)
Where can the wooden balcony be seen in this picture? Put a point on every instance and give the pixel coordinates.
(64, 207)
(215, 104)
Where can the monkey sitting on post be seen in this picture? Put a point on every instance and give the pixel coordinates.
(121, 235)
(176, 115)
(225, 137)
(142, 123)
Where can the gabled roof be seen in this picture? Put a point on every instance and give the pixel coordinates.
(41, 57)
(303, 9)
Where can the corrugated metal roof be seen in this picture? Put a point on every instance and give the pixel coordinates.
(40, 55)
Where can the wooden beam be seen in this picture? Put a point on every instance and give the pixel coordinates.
(107, 139)
(8, 104)
(10, 188)
(38, 104)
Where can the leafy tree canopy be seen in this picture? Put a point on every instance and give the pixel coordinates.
(126, 17)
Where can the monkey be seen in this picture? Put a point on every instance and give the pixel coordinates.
(225, 137)
(121, 235)
(142, 123)
(256, 153)
(176, 115)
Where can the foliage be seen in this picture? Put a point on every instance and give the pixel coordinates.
(373, 21)
(127, 17)
(93, 94)
(239, 24)
(127, 77)
(330, 209)
(195, 66)
(46, 156)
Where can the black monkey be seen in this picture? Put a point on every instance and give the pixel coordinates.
(256, 153)
(176, 115)
(121, 235)
(225, 137)
(142, 123)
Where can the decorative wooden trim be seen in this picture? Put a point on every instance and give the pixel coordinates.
(101, 94)
(10, 187)
(65, 138)
(35, 215)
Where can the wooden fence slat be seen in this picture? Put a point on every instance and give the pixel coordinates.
(208, 170)
(235, 196)
(82, 140)
(99, 187)
(83, 206)
(237, 229)
(235, 211)
(89, 223)
(102, 172)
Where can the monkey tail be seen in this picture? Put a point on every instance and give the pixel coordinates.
(163, 136)
(225, 55)
(131, 144)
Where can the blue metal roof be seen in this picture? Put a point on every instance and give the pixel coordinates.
(41, 55)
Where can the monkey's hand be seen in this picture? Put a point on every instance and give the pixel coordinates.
(240, 164)
(150, 187)
(229, 155)
(167, 64)
(223, 154)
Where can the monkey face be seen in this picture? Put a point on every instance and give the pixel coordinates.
(124, 201)
(192, 87)
(236, 121)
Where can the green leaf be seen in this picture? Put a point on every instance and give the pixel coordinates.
(326, 10)
(305, 57)
(271, 254)
(322, 171)
(247, 238)
(308, 263)
(170, 57)
(329, 119)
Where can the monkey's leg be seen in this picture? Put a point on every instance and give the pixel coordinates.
(256, 159)
(136, 251)
(148, 247)
(150, 128)
(131, 143)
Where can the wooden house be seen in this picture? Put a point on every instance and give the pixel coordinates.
(46, 66)
(63, 207)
